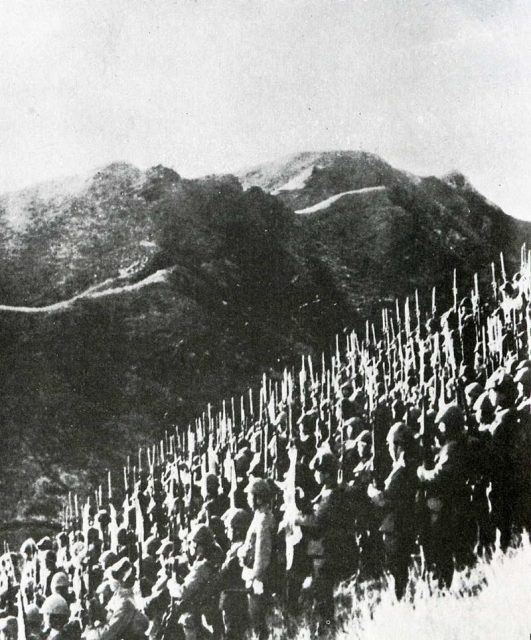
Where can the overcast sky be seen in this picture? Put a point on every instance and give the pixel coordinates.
(213, 85)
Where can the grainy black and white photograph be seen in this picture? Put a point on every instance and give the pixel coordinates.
(265, 319)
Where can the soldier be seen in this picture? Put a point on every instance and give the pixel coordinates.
(196, 596)
(124, 620)
(61, 585)
(508, 458)
(233, 597)
(33, 623)
(522, 379)
(50, 569)
(397, 500)
(8, 628)
(256, 553)
(447, 498)
(56, 614)
(215, 503)
(329, 526)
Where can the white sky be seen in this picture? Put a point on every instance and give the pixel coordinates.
(214, 85)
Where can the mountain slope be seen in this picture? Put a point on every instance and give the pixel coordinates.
(135, 299)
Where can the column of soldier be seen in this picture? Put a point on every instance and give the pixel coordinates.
(411, 444)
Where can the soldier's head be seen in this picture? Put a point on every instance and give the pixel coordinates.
(107, 559)
(258, 493)
(104, 592)
(28, 548)
(325, 467)
(33, 618)
(237, 524)
(8, 628)
(201, 541)
(93, 536)
(55, 611)
(399, 440)
(62, 540)
(242, 461)
(502, 390)
(472, 392)
(190, 627)
(152, 545)
(450, 423)
(413, 416)
(123, 574)
(398, 409)
(122, 536)
(212, 485)
(307, 423)
(363, 445)
(433, 325)
(347, 389)
(354, 426)
(60, 584)
(484, 409)
(166, 551)
(523, 381)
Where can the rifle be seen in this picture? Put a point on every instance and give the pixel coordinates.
(21, 616)
(293, 533)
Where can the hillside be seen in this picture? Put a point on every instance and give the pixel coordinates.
(131, 299)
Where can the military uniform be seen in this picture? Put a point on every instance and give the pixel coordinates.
(448, 504)
(328, 547)
(256, 555)
(397, 500)
(508, 448)
(124, 620)
(233, 601)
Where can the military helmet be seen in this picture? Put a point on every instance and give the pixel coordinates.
(259, 487)
(55, 605)
(9, 624)
(523, 364)
(325, 461)
(107, 559)
(166, 548)
(123, 572)
(398, 408)
(400, 434)
(365, 436)
(523, 376)
(452, 417)
(239, 519)
(152, 544)
(59, 579)
(212, 481)
(45, 544)
(33, 615)
(202, 535)
(28, 547)
(466, 303)
(483, 403)
(473, 391)
(503, 383)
